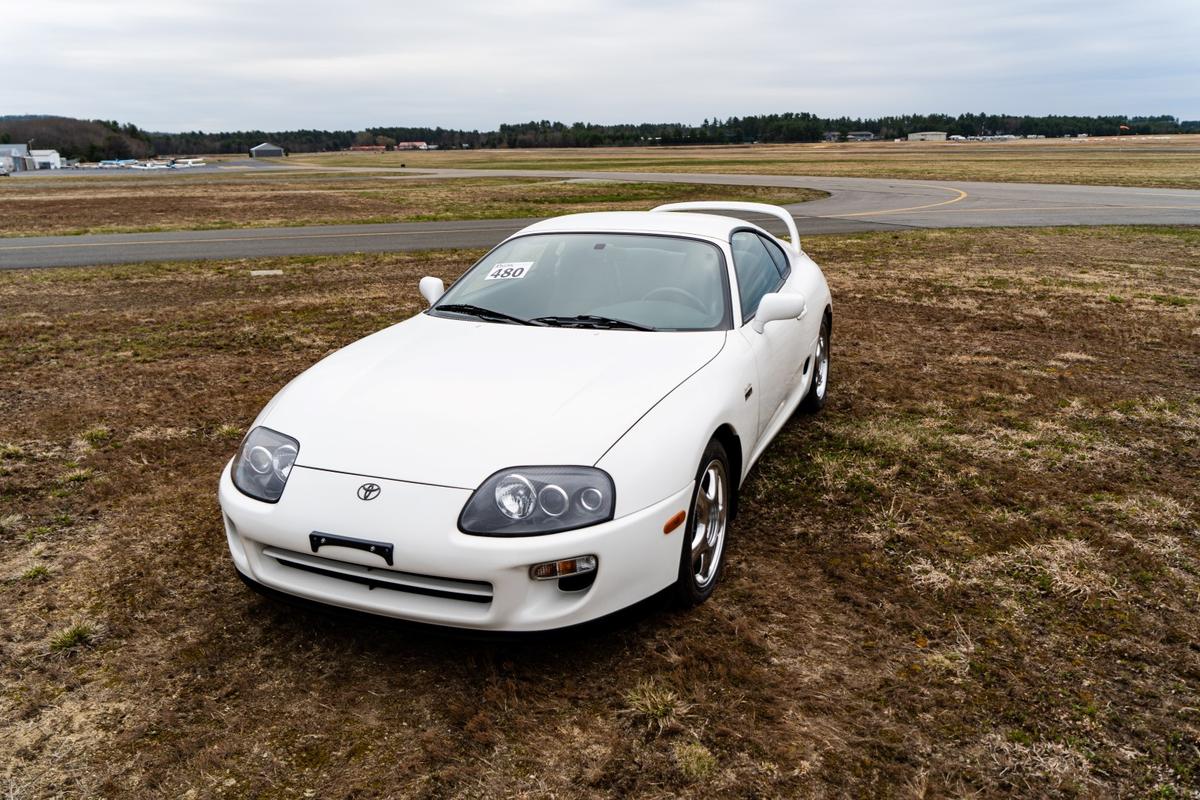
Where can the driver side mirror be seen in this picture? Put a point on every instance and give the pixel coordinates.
(778, 306)
(431, 289)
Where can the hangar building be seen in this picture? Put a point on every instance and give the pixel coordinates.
(927, 136)
(16, 157)
(266, 150)
(46, 159)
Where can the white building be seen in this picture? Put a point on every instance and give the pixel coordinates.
(927, 136)
(46, 159)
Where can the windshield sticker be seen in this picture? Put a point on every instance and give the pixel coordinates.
(508, 270)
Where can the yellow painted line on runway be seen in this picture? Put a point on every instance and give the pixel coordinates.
(984, 210)
(7, 248)
(961, 196)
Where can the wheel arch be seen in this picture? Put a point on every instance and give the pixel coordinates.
(729, 439)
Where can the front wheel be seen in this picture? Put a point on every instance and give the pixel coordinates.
(814, 401)
(703, 553)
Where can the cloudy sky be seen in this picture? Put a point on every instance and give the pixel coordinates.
(176, 65)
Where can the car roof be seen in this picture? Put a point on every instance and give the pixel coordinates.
(714, 226)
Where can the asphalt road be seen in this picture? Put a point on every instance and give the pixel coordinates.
(854, 204)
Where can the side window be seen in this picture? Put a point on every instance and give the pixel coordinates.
(779, 257)
(756, 271)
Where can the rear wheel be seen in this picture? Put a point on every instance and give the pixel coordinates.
(814, 401)
(703, 553)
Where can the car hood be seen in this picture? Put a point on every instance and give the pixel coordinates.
(449, 402)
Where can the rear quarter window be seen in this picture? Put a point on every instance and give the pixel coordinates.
(782, 262)
(757, 273)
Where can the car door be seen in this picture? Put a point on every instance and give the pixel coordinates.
(779, 350)
(803, 276)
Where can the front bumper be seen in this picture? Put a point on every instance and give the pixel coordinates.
(440, 575)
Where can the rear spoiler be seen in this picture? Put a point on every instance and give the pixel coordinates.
(745, 208)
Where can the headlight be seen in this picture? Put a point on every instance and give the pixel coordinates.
(264, 463)
(527, 501)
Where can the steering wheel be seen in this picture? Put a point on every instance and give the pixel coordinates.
(689, 298)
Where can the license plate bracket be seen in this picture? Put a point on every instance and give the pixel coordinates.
(318, 539)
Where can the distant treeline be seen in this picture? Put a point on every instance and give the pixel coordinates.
(789, 127)
(108, 139)
(76, 138)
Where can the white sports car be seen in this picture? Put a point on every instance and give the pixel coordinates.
(560, 435)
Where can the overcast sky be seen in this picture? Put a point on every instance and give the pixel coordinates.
(173, 65)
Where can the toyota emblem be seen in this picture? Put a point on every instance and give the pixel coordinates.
(368, 491)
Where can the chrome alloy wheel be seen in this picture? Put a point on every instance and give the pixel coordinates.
(710, 514)
(821, 378)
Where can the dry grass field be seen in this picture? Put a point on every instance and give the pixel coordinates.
(125, 203)
(977, 573)
(1164, 161)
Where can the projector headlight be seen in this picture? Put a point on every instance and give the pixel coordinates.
(264, 463)
(529, 501)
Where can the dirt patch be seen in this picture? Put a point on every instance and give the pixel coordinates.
(976, 573)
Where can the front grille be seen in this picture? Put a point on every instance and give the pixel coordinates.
(372, 578)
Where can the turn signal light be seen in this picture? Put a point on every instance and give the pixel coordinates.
(552, 570)
(674, 522)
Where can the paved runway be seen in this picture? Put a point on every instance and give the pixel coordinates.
(854, 204)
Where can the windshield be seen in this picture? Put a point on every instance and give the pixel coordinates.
(663, 283)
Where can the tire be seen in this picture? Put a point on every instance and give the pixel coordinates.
(814, 400)
(702, 553)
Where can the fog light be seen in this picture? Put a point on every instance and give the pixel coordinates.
(551, 570)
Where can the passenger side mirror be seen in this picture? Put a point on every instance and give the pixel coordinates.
(779, 306)
(431, 289)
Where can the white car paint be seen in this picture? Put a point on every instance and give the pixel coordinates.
(446, 404)
(429, 408)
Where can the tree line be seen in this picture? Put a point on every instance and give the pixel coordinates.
(87, 140)
(96, 139)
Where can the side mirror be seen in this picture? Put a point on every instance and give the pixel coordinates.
(431, 289)
(778, 306)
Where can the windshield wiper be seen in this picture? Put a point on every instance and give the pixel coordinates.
(591, 321)
(485, 313)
